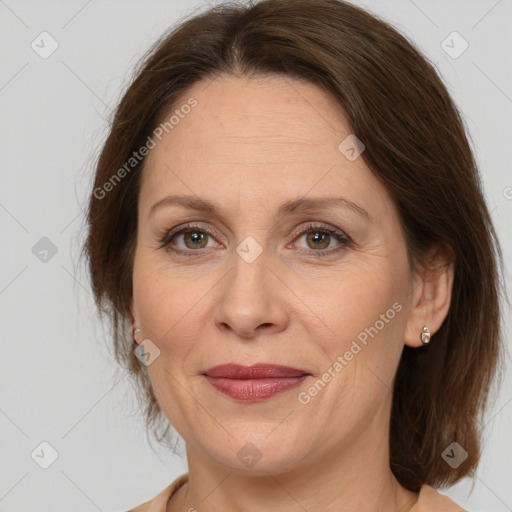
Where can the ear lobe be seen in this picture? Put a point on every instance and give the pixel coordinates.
(432, 302)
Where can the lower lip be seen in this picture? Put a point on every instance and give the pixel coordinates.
(254, 390)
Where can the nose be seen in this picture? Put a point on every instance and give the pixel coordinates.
(252, 301)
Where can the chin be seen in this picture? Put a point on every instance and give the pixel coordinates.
(259, 456)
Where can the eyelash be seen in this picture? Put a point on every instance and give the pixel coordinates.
(341, 237)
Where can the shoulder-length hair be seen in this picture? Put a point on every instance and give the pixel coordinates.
(415, 144)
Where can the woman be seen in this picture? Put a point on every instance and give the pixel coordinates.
(288, 233)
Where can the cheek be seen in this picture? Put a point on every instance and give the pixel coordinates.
(167, 316)
(169, 305)
(365, 314)
(351, 300)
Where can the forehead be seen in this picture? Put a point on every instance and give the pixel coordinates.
(270, 137)
(263, 111)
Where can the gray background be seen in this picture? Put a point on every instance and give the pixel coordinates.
(56, 372)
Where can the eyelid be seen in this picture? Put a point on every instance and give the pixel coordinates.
(321, 226)
(341, 236)
(189, 226)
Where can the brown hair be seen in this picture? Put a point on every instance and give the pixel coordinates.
(416, 145)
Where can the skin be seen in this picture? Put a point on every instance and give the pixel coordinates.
(250, 145)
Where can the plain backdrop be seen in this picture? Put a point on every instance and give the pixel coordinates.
(56, 372)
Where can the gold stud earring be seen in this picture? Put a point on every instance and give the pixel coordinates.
(425, 335)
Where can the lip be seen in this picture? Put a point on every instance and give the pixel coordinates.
(254, 383)
(256, 371)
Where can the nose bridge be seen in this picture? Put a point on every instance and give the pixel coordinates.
(248, 298)
(249, 275)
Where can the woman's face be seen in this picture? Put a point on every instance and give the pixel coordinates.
(321, 287)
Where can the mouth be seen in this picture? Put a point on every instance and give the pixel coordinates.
(254, 383)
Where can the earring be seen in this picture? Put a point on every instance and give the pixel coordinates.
(425, 335)
(135, 332)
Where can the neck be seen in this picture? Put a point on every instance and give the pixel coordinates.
(353, 477)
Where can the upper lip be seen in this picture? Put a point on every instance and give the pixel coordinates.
(256, 371)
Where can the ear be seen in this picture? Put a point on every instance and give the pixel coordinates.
(132, 313)
(133, 320)
(432, 295)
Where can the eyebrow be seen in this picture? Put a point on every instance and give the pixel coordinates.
(293, 206)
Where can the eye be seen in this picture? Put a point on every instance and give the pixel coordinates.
(195, 237)
(320, 237)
